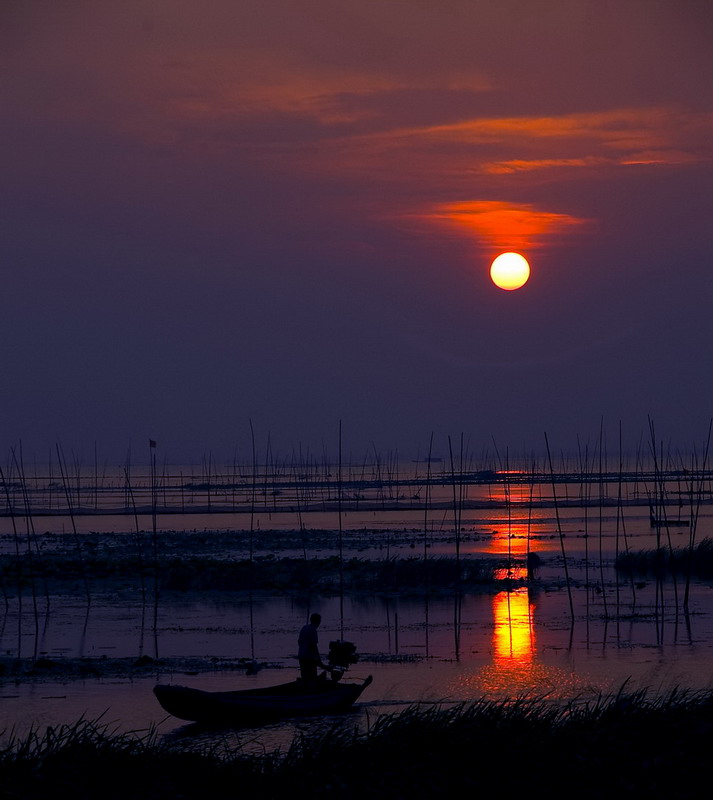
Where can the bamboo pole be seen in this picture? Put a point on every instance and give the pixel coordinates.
(65, 484)
(30, 530)
(694, 516)
(16, 539)
(601, 519)
(341, 542)
(140, 551)
(559, 531)
(252, 495)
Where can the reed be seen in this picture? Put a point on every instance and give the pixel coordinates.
(663, 562)
(618, 745)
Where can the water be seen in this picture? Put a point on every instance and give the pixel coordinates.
(520, 640)
(510, 643)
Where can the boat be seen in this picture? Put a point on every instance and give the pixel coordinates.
(250, 706)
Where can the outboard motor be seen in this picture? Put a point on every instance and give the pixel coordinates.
(341, 656)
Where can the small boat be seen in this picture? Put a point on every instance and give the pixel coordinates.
(250, 706)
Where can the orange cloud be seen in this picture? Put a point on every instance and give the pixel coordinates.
(646, 157)
(659, 157)
(523, 165)
(617, 128)
(505, 225)
(594, 139)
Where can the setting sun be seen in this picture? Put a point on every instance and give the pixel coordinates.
(510, 271)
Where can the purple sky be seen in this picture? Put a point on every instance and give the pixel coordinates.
(284, 212)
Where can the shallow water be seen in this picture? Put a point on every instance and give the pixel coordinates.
(518, 642)
(511, 643)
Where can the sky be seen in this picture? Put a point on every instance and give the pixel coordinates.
(216, 214)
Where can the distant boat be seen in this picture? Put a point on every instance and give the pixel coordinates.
(254, 706)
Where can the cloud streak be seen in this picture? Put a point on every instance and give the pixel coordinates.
(505, 226)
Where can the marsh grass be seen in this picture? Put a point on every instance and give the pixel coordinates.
(200, 573)
(629, 744)
(664, 561)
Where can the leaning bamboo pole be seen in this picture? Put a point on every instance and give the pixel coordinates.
(29, 524)
(253, 491)
(425, 505)
(425, 546)
(139, 545)
(559, 531)
(341, 535)
(622, 518)
(601, 519)
(18, 559)
(694, 516)
(456, 522)
(154, 542)
(67, 494)
(140, 552)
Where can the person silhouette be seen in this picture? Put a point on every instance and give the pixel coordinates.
(308, 653)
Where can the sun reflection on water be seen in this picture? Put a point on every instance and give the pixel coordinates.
(514, 634)
(512, 539)
(516, 667)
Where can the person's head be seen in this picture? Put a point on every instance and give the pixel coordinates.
(315, 619)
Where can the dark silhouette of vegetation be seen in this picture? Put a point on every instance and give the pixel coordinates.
(266, 573)
(662, 561)
(628, 745)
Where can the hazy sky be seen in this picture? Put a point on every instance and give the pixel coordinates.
(279, 211)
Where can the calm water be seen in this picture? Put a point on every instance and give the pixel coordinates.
(518, 642)
(504, 644)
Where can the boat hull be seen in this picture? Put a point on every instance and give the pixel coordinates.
(258, 705)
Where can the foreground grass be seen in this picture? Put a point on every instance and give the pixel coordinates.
(628, 745)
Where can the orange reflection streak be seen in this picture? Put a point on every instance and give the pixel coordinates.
(513, 634)
(514, 573)
(509, 538)
(515, 493)
(515, 668)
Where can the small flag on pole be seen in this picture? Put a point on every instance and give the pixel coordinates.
(152, 443)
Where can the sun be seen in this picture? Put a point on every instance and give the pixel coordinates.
(510, 271)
